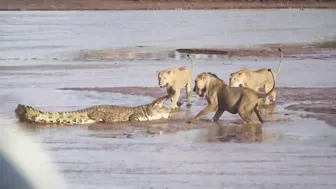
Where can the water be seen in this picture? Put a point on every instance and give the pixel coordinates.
(48, 33)
(37, 53)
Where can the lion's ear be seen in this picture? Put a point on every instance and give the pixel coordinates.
(231, 74)
(169, 72)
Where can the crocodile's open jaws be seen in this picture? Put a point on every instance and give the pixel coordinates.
(102, 113)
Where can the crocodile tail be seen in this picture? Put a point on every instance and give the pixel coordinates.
(26, 113)
(29, 114)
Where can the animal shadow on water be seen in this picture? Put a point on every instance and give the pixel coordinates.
(241, 133)
(126, 130)
(174, 124)
(269, 112)
(244, 133)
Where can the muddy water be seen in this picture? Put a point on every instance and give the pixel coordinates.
(38, 57)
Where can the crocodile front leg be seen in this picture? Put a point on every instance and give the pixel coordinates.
(137, 117)
(97, 116)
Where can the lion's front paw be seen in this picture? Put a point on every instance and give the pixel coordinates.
(172, 110)
(192, 121)
(174, 107)
(179, 104)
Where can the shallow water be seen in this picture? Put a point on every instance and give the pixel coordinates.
(37, 58)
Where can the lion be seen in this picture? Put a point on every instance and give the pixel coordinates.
(255, 79)
(174, 79)
(221, 97)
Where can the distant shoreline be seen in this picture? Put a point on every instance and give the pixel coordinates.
(92, 5)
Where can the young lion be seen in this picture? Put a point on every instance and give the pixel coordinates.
(174, 80)
(255, 79)
(222, 98)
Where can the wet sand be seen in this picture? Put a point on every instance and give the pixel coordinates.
(288, 150)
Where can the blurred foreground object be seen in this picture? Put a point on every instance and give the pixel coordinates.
(24, 165)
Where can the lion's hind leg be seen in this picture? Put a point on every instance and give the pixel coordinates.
(254, 107)
(246, 109)
(257, 112)
(267, 88)
(273, 94)
(188, 93)
(243, 114)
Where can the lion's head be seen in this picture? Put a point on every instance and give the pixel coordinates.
(201, 84)
(237, 79)
(203, 80)
(165, 78)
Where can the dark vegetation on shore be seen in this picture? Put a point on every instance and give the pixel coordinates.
(160, 4)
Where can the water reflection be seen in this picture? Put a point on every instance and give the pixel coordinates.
(244, 133)
(269, 112)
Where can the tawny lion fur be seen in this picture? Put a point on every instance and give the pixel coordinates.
(256, 79)
(221, 97)
(174, 79)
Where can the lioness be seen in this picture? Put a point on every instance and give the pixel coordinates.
(221, 97)
(174, 79)
(255, 79)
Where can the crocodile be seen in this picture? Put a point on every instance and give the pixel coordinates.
(94, 114)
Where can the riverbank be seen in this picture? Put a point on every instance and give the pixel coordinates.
(320, 51)
(159, 5)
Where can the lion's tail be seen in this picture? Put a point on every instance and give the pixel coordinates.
(191, 60)
(263, 95)
(281, 56)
